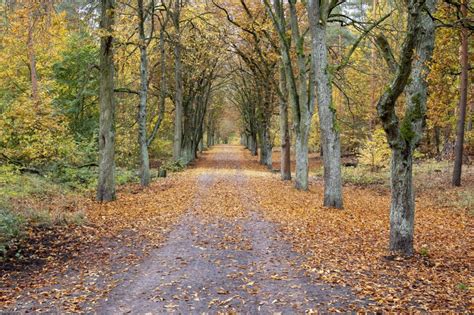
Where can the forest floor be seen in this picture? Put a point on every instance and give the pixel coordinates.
(227, 235)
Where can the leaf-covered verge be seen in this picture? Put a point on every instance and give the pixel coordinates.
(69, 266)
(349, 246)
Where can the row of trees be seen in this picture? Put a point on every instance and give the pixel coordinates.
(197, 64)
(164, 70)
(297, 52)
(139, 76)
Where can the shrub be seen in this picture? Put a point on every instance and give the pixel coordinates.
(375, 151)
(34, 135)
(10, 227)
(173, 166)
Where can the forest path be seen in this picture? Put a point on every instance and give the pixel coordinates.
(223, 256)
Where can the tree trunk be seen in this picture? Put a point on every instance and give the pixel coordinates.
(32, 58)
(201, 145)
(471, 110)
(403, 136)
(209, 134)
(464, 58)
(163, 86)
(266, 148)
(178, 120)
(302, 100)
(285, 159)
(402, 206)
(254, 142)
(437, 141)
(142, 135)
(330, 140)
(301, 155)
(106, 182)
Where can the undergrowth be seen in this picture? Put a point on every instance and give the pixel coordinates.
(45, 199)
(49, 197)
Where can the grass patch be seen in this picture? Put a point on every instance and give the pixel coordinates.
(364, 176)
(360, 176)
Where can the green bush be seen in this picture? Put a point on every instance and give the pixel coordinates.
(124, 176)
(173, 166)
(11, 226)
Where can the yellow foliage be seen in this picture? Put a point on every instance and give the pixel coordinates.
(31, 131)
(375, 151)
(34, 135)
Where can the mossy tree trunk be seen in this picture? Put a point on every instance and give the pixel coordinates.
(403, 136)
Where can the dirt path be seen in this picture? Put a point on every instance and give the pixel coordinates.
(223, 256)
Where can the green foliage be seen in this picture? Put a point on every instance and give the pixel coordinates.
(174, 166)
(77, 85)
(363, 176)
(124, 176)
(13, 184)
(10, 227)
(85, 178)
(424, 251)
(34, 135)
(462, 286)
(375, 151)
(81, 179)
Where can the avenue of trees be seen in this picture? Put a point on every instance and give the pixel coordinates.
(130, 82)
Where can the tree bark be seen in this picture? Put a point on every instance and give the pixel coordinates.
(330, 139)
(32, 57)
(265, 147)
(178, 120)
(106, 182)
(142, 110)
(163, 85)
(402, 206)
(301, 96)
(302, 166)
(404, 136)
(464, 58)
(285, 159)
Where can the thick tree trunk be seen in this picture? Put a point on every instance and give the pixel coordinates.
(301, 156)
(187, 152)
(178, 119)
(266, 148)
(302, 100)
(253, 146)
(201, 145)
(106, 182)
(330, 140)
(403, 136)
(402, 206)
(464, 58)
(285, 159)
(142, 110)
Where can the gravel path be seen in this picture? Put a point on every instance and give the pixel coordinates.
(236, 262)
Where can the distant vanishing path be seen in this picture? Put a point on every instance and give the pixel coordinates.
(223, 256)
